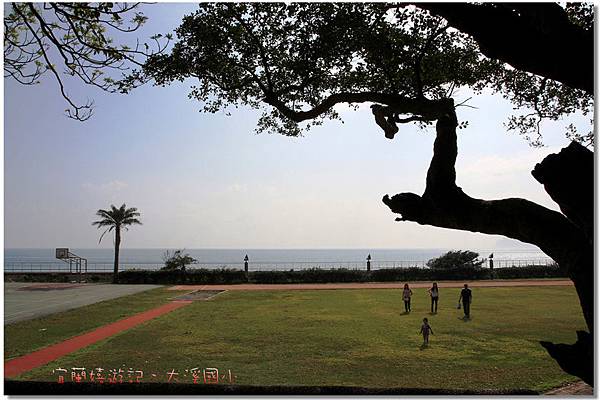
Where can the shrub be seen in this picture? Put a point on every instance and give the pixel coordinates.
(456, 259)
(177, 261)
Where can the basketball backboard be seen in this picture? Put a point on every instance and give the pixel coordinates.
(62, 252)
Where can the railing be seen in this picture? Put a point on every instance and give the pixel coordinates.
(41, 267)
(45, 267)
(523, 263)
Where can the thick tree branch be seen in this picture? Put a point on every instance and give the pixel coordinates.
(427, 109)
(536, 38)
(443, 204)
(568, 178)
(570, 356)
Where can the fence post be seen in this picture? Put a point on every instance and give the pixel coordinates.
(246, 259)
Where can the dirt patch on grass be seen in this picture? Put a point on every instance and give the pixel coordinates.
(45, 287)
(198, 295)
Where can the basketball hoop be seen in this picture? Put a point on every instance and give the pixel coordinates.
(80, 263)
(62, 253)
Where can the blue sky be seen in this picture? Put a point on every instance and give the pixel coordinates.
(208, 181)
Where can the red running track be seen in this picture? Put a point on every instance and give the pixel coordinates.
(41, 357)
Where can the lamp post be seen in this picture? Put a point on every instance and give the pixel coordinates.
(246, 259)
(491, 260)
(369, 262)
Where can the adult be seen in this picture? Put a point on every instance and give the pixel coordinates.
(406, 294)
(466, 296)
(434, 292)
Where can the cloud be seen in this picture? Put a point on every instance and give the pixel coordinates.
(501, 167)
(108, 187)
(237, 188)
(496, 177)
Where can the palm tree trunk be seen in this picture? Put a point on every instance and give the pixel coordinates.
(117, 244)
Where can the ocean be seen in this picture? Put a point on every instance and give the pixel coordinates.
(259, 259)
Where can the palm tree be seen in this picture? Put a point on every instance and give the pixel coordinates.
(115, 219)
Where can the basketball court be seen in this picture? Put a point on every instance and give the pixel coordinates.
(23, 301)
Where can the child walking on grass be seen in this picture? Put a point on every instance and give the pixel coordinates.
(425, 330)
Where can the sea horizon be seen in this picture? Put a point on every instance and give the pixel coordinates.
(153, 258)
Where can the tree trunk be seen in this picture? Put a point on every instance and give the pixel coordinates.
(117, 245)
(445, 205)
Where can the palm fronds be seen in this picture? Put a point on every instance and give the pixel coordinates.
(114, 218)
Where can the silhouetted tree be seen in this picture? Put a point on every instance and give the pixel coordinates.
(297, 62)
(115, 219)
(456, 259)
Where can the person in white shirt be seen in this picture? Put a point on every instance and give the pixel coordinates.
(434, 292)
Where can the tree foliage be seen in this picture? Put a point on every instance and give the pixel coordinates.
(456, 259)
(549, 48)
(177, 261)
(303, 59)
(41, 38)
(116, 218)
(296, 62)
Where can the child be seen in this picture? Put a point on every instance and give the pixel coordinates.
(425, 330)
(406, 293)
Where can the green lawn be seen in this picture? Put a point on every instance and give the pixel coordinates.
(24, 337)
(350, 337)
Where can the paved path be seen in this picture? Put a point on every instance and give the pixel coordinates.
(579, 388)
(19, 365)
(377, 285)
(23, 301)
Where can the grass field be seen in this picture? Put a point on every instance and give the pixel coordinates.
(349, 338)
(24, 337)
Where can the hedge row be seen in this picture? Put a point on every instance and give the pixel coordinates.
(233, 276)
(195, 276)
(531, 271)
